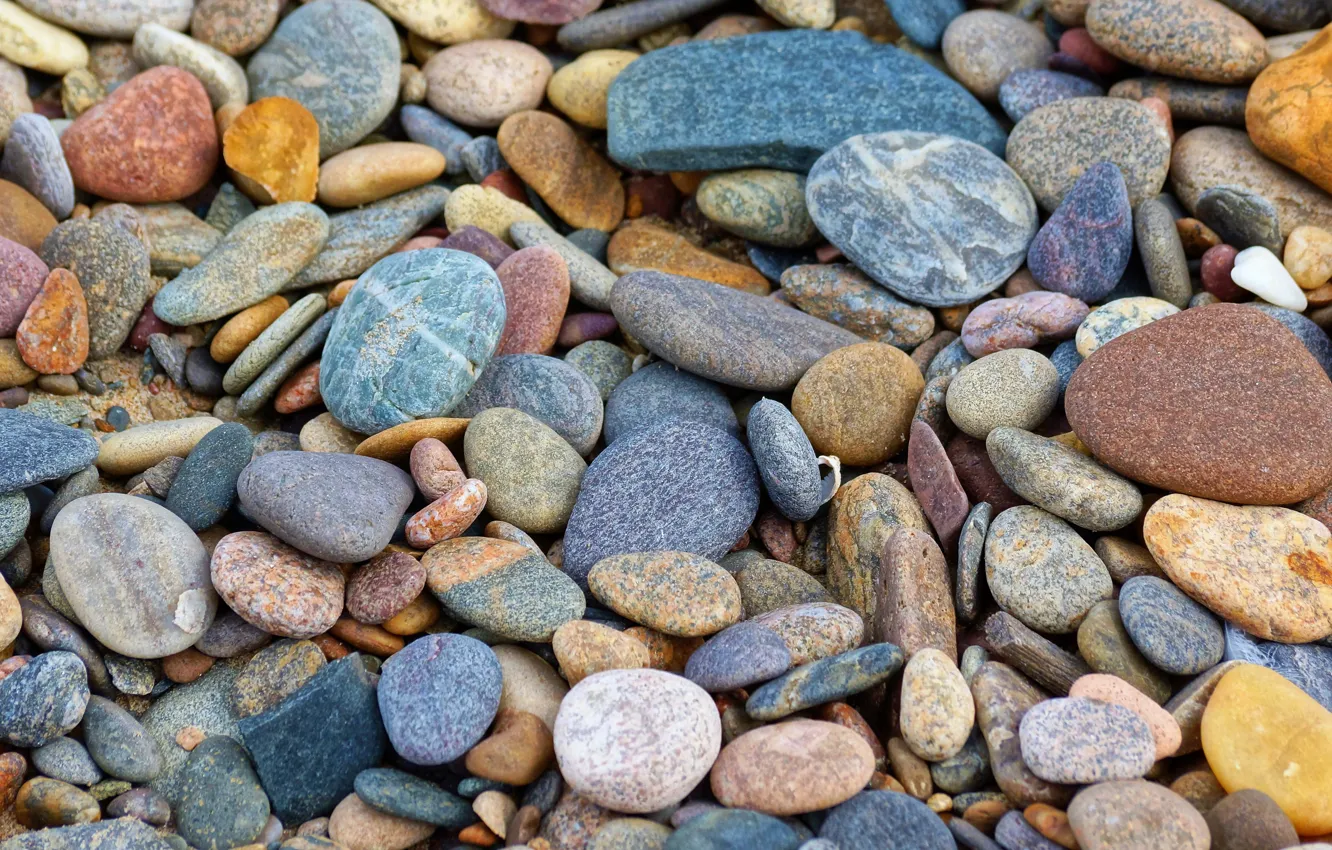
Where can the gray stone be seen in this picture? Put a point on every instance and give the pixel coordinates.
(547, 389)
(177, 238)
(338, 507)
(84, 482)
(119, 743)
(970, 547)
(785, 459)
(589, 279)
(826, 680)
(43, 700)
(738, 656)
(604, 363)
(950, 360)
(406, 796)
(262, 389)
(349, 84)
(230, 636)
(115, 19)
(1308, 665)
(205, 488)
(1282, 15)
(885, 820)
(680, 486)
(48, 630)
(229, 208)
(937, 220)
(1162, 252)
(113, 269)
(411, 338)
(14, 515)
(427, 127)
(1016, 387)
(222, 804)
(269, 345)
(1240, 217)
(34, 160)
(170, 354)
(1027, 90)
(205, 704)
(733, 829)
(1062, 480)
(846, 85)
(133, 676)
(1081, 741)
(121, 834)
(614, 26)
(729, 336)
(482, 157)
(66, 759)
(660, 391)
(1014, 833)
(1172, 631)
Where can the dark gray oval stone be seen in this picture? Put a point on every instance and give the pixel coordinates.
(1029, 89)
(937, 220)
(438, 696)
(339, 507)
(1240, 217)
(885, 820)
(411, 338)
(66, 759)
(113, 269)
(230, 636)
(1282, 15)
(545, 388)
(221, 802)
(406, 796)
(681, 486)
(616, 25)
(119, 743)
(43, 700)
(729, 336)
(736, 657)
(661, 391)
(348, 82)
(785, 459)
(844, 85)
(205, 487)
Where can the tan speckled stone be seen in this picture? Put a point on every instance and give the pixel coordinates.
(579, 88)
(1194, 39)
(865, 512)
(857, 402)
(356, 826)
(983, 46)
(584, 648)
(369, 173)
(135, 449)
(673, 592)
(937, 710)
(275, 587)
(446, 21)
(791, 768)
(487, 208)
(648, 247)
(481, 83)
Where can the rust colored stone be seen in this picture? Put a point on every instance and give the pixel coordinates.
(13, 766)
(384, 586)
(506, 182)
(777, 534)
(536, 294)
(186, 666)
(915, 598)
(518, 750)
(651, 194)
(332, 648)
(275, 143)
(275, 587)
(578, 183)
(371, 639)
(53, 336)
(935, 484)
(1196, 237)
(844, 715)
(300, 391)
(978, 476)
(666, 652)
(448, 516)
(648, 247)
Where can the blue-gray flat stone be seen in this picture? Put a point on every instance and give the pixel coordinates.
(14, 515)
(785, 459)
(545, 388)
(411, 338)
(885, 820)
(937, 220)
(118, 743)
(615, 25)
(205, 487)
(825, 680)
(1029, 89)
(67, 760)
(34, 160)
(482, 157)
(309, 748)
(411, 797)
(33, 450)
(340, 60)
(736, 657)
(427, 127)
(729, 336)
(924, 21)
(660, 391)
(205, 703)
(221, 803)
(43, 700)
(1171, 630)
(681, 486)
(1308, 665)
(733, 829)
(733, 91)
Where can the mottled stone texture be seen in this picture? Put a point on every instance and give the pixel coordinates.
(937, 220)
(852, 85)
(410, 338)
(357, 239)
(885, 819)
(1083, 249)
(545, 388)
(115, 19)
(113, 269)
(1195, 39)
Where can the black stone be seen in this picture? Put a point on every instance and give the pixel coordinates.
(205, 487)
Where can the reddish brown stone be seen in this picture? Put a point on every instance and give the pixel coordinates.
(1217, 263)
(299, 391)
(13, 766)
(383, 586)
(22, 274)
(536, 294)
(1078, 43)
(152, 140)
(53, 336)
(579, 328)
(915, 596)
(977, 474)
(651, 194)
(186, 666)
(777, 535)
(1196, 237)
(434, 468)
(935, 483)
(578, 183)
(332, 648)
(844, 715)
(507, 182)
(474, 240)
(372, 639)
(1218, 402)
(448, 516)
(147, 324)
(23, 218)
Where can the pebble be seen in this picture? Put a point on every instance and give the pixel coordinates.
(1016, 388)
(438, 696)
(1026, 90)
(384, 586)
(984, 46)
(447, 23)
(65, 760)
(34, 160)
(985, 244)
(1160, 815)
(1115, 25)
(1077, 740)
(1175, 633)
(811, 68)
(1249, 818)
(222, 802)
(647, 247)
(842, 295)
(857, 402)
(825, 680)
(25, 274)
(44, 699)
(1107, 647)
(359, 238)
(235, 27)
(1051, 147)
(631, 715)
(914, 606)
(43, 802)
(353, 824)
(793, 767)
(578, 184)
(589, 279)
(24, 220)
(481, 83)
(113, 269)
(733, 828)
(1240, 217)
(535, 489)
(406, 796)
(350, 505)
(118, 743)
(672, 592)
(222, 77)
(758, 204)
(884, 818)
(536, 293)
(1118, 317)
(545, 388)
(737, 657)
(275, 587)
(660, 391)
(142, 804)
(937, 711)
(863, 514)
(1111, 689)
(1062, 480)
(1025, 321)
(273, 674)
(1083, 249)
(768, 585)
(1162, 252)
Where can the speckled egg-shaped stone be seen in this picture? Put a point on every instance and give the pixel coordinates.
(672, 592)
(758, 204)
(937, 709)
(1214, 44)
(636, 740)
(1117, 318)
(1016, 387)
(481, 83)
(532, 475)
(793, 767)
(545, 388)
(1081, 741)
(448, 21)
(275, 587)
(984, 46)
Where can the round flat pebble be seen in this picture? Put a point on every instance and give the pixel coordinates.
(1082, 741)
(1159, 815)
(792, 767)
(877, 819)
(481, 83)
(742, 655)
(672, 592)
(1170, 629)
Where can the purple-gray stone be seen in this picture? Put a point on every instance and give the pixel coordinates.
(34, 160)
(1014, 833)
(438, 696)
(660, 391)
(545, 388)
(736, 657)
(1084, 247)
(474, 240)
(1028, 90)
(681, 486)
(785, 459)
(427, 127)
(885, 820)
(43, 700)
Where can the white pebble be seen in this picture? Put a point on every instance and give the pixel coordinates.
(1259, 271)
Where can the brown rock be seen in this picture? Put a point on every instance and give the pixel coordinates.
(915, 599)
(369, 173)
(1200, 788)
(857, 402)
(1186, 404)
(1051, 823)
(1250, 820)
(584, 647)
(936, 484)
(1195, 39)
(23, 218)
(419, 615)
(536, 294)
(53, 336)
(300, 391)
(865, 512)
(353, 824)
(13, 766)
(152, 140)
(448, 516)
(434, 468)
(1003, 696)
(1126, 559)
(186, 666)
(643, 246)
(395, 444)
(844, 715)
(1289, 111)
(234, 27)
(1159, 818)
(665, 652)
(518, 750)
(791, 768)
(384, 586)
(1188, 705)
(244, 327)
(275, 587)
(43, 802)
(580, 186)
(371, 639)
(976, 472)
(911, 770)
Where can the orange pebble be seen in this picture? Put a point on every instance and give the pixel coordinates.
(448, 516)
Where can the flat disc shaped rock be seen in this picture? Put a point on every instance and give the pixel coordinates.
(1062, 480)
(438, 697)
(935, 219)
(411, 338)
(135, 574)
(885, 820)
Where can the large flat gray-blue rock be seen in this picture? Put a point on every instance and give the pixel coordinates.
(779, 99)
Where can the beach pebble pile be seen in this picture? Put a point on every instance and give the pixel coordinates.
(665, 425)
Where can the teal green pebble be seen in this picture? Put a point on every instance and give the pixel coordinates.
(604, 363)
(759, 204)
(827, 680)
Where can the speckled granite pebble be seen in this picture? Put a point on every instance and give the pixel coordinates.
(1170, 629)
(438, 696)
(1074, 740)
(825, 680)
(548, 389)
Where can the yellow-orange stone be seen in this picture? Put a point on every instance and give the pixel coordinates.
(583, 647)
(245, 327)
(643, 246)
(53, 336)
(578, 183)
(275, 143)
(395, 444)
(1261, 731)
(370, 173)
(1289, 111)
(23, 218)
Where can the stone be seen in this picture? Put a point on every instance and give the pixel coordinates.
(768, 585)
(108, 548)
(590, 281)
(1223, 47)
(244, 327)
(447, 23)
(1188, 101)
(1299, 663)
(1116, 318)
(34, 160)
(914, 607)
(142, 447)
(742, 655)
(1107, 647)
(985, 244)
(357, 239)
(1206, 469)
(785, 460)
(278, 363)
(585, 647)
(719, 827)
(1084, 248)
(275, 587)
(580, 186)
(864, 514)
(791, 768)
(43, 802)
(341, 508)
(114, 152)
(1052, 147)
(535, 486)
(1215, 156)
(968, 589)
(1159, 815)
(43, 699)
(122, 832)
(142, 804)
(659, 391)
(364, 386)
(306, 774)
(438, 696)
(205, 488)
(488, 208)
(53, 336)
(825, 680)
(1025, 321)
(235, 27)
(384, 586)
(842, 295)
(273, 674)
(1003, 698)
(222, 77)
(1041, 571)
(1308, 252)
(984, 46)
(222, 803)
(545, 388)
(1240, 217)
(648, 247)
(1063, 481)
(406, 796)
(885, 819)
(114, 20)
(536, 293)
(1175, 633)
(354, 824)
(113, 269)
(733, 337)
(1111, 689)
(1016, 388)
(632, 715)
(530, 684)
(519, 749)
(857, 402)
(253, 262)
(370, 173)
(631, 834)
(1258, 270)
(1249, 820)
(1162, 252)
(24, 220)
(937, 710)
(349, 85)
(481, 83)
(1076, 740)
(1026, 90)
(65, 760)
(672, 592)
(24, 274)
(118, 743)
(762, 205)
(732, 78)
